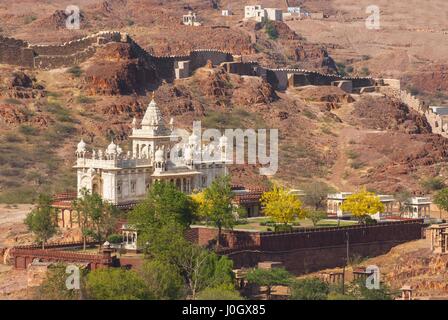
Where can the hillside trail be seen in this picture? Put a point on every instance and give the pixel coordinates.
(347, 134)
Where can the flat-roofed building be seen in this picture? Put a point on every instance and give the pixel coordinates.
(417, 207)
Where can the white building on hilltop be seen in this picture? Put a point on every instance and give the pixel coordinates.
(260, 14)
(157, 154)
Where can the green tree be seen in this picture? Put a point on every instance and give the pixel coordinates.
(223, 292)
(217, 207)
(316, 194)
(116, 284)
(98, 218)
(281, 205)
(201, 268)
(269, 278)
(54, 286)
(162, 220)
(164, 208)
(163, 279)
(41, 220)
(441, 199)
(315, 216)
(362, 204)
(359, 291)
(309, 289)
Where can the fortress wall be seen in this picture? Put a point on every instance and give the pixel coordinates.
(15, 52)
(199, 58)
(75, 46)
(310, 250)
(52, 62)
(437, 123)
(240, 68)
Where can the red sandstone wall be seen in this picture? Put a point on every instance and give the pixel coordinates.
(313, 249)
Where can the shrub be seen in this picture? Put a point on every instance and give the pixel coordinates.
(309, 289)
(61, 113)
(309, 114)
(116, 284)
(433, 184)
(283, 228)
(357, 164)
(75, 71)
(84, 100)
(271, 30)
(29, 19)
(115, 238)
(365, 71)
(28, 130)
(352, 154)
(12, 101)
(223, 292)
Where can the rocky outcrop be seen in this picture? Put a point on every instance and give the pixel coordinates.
(388, 114)
(253, 90)
(116, 70)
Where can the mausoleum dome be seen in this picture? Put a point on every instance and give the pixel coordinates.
(159, 156)
(153, 116)
(81, 146)
(112, 148)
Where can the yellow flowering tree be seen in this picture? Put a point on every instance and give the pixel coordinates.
(281, 206)
(362, 204)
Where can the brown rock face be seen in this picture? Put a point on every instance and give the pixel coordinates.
(386, 113)
(431, 80)
(116, 70)
(253, 90)
(317, 57)
(12, 114)
(20, 79)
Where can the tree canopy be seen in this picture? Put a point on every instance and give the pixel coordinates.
(165, 207)
(41, 221)
(362, 204)
(316, 194)
(116, 284)
(441, 199)
(215, 205)
(281, 205)
(97, 218)
(309, 289)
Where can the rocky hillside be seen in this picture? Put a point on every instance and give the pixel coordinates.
(325, 134)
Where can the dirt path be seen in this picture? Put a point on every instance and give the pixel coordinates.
(346, 135)
(11, 221)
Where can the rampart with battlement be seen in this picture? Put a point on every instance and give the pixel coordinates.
(74, 52)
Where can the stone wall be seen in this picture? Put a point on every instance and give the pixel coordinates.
(439, 124)
(308, 250)
(22, 256)
(15, 52)
(71, 53)
(282, 78)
